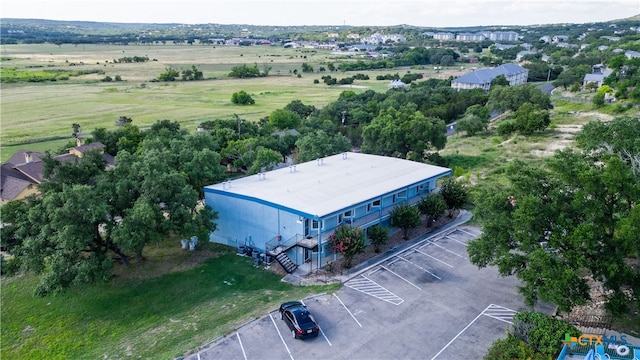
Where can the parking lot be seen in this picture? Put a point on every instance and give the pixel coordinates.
(426, 302)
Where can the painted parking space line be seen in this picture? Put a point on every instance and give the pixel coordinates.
(456, 240)
(281, 338)
(493, 311)
(457, 335)
(433, 257)
(400, 276)
(367, 286)
(325, 336)
(244, 354)
(421, 268)
(500, 313)
(466, 232)
(346, 308)
(445, 249)
(322, 332)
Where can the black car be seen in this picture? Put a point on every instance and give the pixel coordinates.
(299, 319)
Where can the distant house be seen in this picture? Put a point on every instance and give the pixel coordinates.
(502, 36)
(23, 172)
(444, 36)
(597, 76)
(470, 37)
(397, 84)
(482, 78)
(524, 53)
(630, 54)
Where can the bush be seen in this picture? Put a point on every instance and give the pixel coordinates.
(242, 98)
(378, 235)
(9, 266)
(506, 128)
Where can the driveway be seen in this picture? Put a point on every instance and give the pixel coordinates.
(425, 302)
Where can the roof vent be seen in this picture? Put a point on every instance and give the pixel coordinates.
(344, 156)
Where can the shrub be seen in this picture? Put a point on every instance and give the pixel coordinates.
(242, 98)
(379, 235)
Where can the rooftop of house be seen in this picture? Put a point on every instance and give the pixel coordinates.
(320, 187)
(485, 76)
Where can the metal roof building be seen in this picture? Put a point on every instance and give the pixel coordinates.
(298, 207)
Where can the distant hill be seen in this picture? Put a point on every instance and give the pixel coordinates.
(14, 31)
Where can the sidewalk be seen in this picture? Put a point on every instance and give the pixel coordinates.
(301, 277)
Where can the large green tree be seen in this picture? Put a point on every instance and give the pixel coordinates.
(87, 214)
(319, 144)
(404, 133)
(555, 226)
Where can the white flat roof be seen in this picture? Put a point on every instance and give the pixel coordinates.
(324, 186)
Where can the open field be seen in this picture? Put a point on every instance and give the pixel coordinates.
(42, 110)
(142, 313)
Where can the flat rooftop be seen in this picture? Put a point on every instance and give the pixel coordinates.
(320, 187)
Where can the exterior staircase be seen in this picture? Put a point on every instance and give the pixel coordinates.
(286, 262)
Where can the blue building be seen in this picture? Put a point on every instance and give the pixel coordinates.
(293, 210)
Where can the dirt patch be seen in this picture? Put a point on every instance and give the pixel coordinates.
(165, 259)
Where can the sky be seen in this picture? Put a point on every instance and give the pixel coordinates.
(424, 13)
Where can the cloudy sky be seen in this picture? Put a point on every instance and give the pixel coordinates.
(427, 13)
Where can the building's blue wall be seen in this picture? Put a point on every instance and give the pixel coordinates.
(244, 222)
(249, 222)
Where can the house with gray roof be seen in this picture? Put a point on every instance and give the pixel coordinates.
(24, 170)
(597, 76)
(482, 78)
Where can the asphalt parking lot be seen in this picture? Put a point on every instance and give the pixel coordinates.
(426, 302)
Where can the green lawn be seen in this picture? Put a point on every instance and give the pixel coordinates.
(160, 318)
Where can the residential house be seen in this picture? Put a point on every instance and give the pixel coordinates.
(524, 53)
(23, 172)
(482, 78)
(597, 76)
(294, 210)
(630, 54)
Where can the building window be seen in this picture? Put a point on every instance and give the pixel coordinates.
(315, 225)
(376, 203)
(402, 194)
(347, 213)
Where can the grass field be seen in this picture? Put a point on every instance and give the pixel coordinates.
(41, 110)
(160, 317)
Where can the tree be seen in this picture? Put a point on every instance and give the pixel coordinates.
(433, 206)
(265, 160)
(454, 194)
(87, 215)
(503, 98)
(500, 80)
(319, 144)
(242, 98)
(76, 130)
(348, 242)
(378, 235)
(555, 226)
(306, 68)
(404, 133)
(529, 119)
(296, 106)
(405, 217)
(170, 74)
(245, 71)
(532, 335)
(284, 119)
